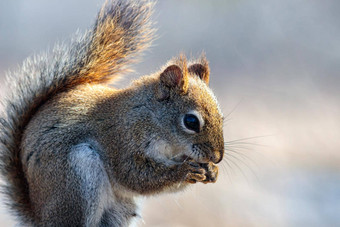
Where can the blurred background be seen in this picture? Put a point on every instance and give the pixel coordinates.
(275, 70)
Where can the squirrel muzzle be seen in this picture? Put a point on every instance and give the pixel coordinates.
(216, 156)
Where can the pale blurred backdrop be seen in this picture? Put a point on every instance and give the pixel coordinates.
(275, 70)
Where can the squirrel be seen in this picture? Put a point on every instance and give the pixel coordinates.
(76, 152)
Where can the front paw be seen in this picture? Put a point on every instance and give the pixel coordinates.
(195, 173)
(211, 172)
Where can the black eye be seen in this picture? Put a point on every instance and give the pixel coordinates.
(191, 122)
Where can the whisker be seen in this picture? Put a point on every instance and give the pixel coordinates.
(245, 157)
(244, 143)
(192, 153)
(240, 169)
(231, 168)
(175, 156)
(225, 121)
(243, 147)
(246, 149)
(246, 164)
(225, 169)
(234, 108)
(249, 138)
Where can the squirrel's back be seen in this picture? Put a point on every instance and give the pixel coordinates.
(122, 30)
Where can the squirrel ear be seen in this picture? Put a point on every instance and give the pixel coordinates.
(174, 78)
(202, 71)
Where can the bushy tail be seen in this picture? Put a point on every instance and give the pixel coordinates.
(122, 30)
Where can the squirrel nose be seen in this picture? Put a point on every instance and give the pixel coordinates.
(216, 156)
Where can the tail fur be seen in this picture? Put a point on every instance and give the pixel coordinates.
(122, 30)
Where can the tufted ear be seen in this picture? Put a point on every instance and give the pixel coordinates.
(174, 78)
(201, 70)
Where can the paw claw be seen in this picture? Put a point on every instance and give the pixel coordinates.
(205, 173)
(195, 173)
(191, 181)
(211, 173)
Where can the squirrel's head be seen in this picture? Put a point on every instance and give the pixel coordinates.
(188, 117)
